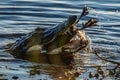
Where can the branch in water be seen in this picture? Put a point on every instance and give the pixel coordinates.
(91, 22)
(96, 52)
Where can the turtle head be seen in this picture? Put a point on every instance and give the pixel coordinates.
(72, 20)
(51, 33)
(71, 24)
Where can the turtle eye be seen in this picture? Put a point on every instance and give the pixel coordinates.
(72, 19)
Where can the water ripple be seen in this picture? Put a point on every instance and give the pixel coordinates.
(19, 17)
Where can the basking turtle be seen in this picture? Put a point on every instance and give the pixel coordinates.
(44, 37)
(61, 39)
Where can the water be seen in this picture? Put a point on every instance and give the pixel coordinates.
(19, 17)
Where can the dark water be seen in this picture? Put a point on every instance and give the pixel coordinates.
(18, 17)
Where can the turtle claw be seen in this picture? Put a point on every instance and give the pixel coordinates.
(91, 22)
(84, 12)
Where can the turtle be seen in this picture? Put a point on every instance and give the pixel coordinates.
(45, 37)
(64, 39)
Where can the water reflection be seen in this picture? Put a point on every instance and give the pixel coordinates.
(55, 69)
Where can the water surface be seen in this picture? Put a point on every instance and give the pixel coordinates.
(19, 17)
